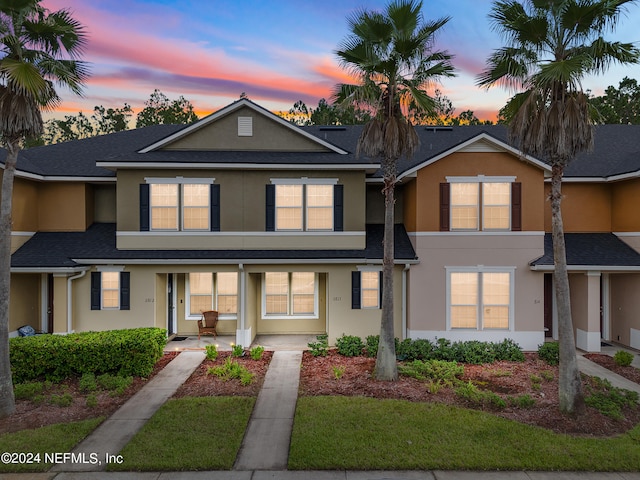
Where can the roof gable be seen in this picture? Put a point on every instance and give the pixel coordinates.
(243, 126)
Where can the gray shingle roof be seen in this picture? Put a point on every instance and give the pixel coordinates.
(616, 151)
(591, 249)
(68, 249)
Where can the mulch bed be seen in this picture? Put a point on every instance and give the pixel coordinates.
(606, 361)
(507, 379)
(34, 415)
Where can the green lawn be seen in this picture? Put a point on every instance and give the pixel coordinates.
(191, 433)
(57, 438)
(357, 433)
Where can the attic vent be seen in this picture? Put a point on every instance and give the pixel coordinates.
(245, 126)
(435, 128)
(332, 128)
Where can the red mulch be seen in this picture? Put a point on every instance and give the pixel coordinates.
(34, 415)
(507, 379)
(202, 384)
(606, 361)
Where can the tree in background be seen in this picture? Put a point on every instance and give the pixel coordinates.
(38, 48)
(551, 45)
(325, 114)
(159, 110)
(619, 105)
(392, 55)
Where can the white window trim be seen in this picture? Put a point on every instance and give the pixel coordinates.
(481, 269)
(180, 204)
(103, 290)
(280, 316)
(305, 208)
(187, 303)
(481, 205)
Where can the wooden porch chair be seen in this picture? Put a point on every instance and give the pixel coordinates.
(207, 325)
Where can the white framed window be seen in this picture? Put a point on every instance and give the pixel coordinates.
(480, 203)
(304, 204)
(211, 291)
(110, 290)
(370, 289)
(180, 204)
(290, 294)
(480, 298)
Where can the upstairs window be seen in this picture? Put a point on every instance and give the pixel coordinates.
(304, 205)
(480, 204)
(179, 204)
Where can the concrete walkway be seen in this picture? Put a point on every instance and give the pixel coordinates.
(592, 369)
(266, 442)
(116, 431)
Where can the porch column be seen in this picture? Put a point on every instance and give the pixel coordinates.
(590, 340)
(243, 334)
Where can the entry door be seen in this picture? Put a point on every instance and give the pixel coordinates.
(171, 309)
(548, 305)
(50, 303)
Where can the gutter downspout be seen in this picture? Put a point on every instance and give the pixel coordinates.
(404, 300)
(69, 306)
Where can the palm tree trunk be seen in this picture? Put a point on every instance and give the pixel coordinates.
(7, 399)
(570, 384)
(386, 366)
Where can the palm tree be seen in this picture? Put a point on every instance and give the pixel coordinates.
(34, 44)
(551, 46)
(391, 54)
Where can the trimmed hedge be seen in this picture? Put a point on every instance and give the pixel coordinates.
(128, 352)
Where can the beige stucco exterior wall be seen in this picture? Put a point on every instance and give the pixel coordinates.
(586, 207)
(26, 301)
(104, 203)
(268, 134)
(428, 283)
(579, 300)
(625, 214)
(64, 207)
(427, 187)
(625, 309)
(242, 200)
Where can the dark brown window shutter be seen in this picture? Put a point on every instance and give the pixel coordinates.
(444, 207)
(516, 206)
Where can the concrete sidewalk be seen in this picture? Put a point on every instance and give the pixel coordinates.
(116, 431)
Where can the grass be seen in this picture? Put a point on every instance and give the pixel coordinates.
(61, 437)
(369, 434)
(191, 433)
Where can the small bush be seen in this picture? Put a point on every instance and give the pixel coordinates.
(371, 347)
(256, 352)
(91, 401)
(88, 382)
(338, 371)
(473, 394)
(114, 383)
(320, 348)
(609, 400)
(237, 351)
(547, 375)
(62, 400)
(549, 352)
(212, 352)
(508, 350)
(28, 390)
(232, 370)
(522, 401)
(349, 345)
(623, 358)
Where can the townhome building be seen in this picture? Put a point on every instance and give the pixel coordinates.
(279, 228)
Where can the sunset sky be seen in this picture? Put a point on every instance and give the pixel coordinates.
(277, 52)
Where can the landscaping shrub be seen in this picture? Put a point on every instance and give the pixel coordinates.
(320, 348)
(212, 352)
(508, 350)
(129, 352)
(232, 370)
(609, 400)
(550, 352)
(28, 390)
(237, 351)
(116, 384)
(371, 347)
(349, 345)
(436, 372)
(256, 352)
(623, 358)
(485, 398)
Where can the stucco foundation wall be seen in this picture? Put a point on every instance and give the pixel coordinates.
(624, 307)
(427, 291)
(26, 301)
